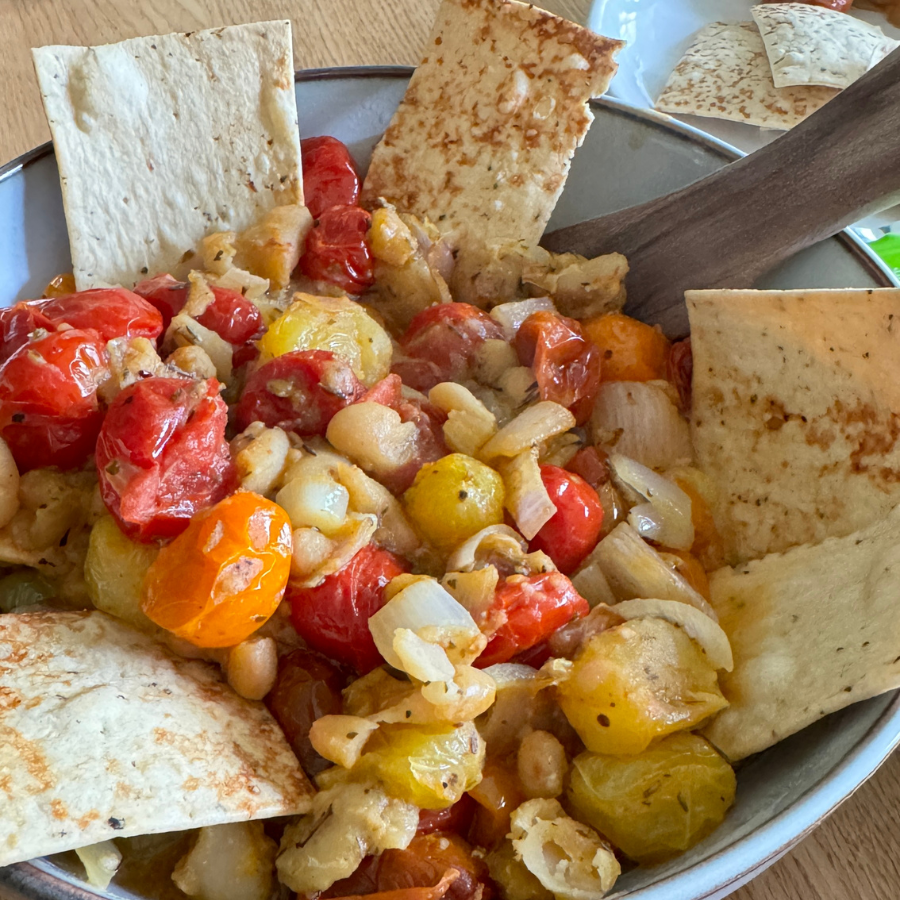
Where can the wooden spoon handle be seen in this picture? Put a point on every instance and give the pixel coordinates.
(726, 230)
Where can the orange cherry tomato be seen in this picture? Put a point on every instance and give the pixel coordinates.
(629, 349)
(223, 577)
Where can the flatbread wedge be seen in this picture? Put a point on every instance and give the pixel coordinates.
(482, 142)
(104, 733)
(812, 631)
(162, 140)
(814, 45)
(796, 412)
(725, 74)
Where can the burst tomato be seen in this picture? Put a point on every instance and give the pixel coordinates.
(566, 365)
(337, 249)
(162, 456)
(112, 312)
(224, 576)
(329, 175)
(630, 350)
(456, 818)
(574, 529)
(230, 314)
(333, 617)
(299, 391)
(49, 414)
(535, 606)
(17, 323)
(441, 342)
(592, 465)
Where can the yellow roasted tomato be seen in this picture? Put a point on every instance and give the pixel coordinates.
(636, 683)
(454, 498)
(335, 324)
(430, 767)
(657, 803)
(223, 577)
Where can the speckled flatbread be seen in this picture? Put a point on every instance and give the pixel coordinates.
(725, 74)
(813, 45)
(482, 141)
(812, 631)
(796, 412)
(162, 140)
(104, 733)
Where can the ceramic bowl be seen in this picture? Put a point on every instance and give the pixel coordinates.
(630, 156)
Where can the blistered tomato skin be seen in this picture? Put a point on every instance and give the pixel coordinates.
(337, 249)
(329, 174)
(574, 529)
(162, 456)
(49, 414)
(112, 312)
(299, 391)
(333, 617)
(535, 606)
(17, 323)
(630, 350)
(224, 576)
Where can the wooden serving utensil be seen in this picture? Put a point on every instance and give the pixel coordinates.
(728, 229)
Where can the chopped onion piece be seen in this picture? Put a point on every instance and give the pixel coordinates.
(666, 517)
(101, 861)
(184, 331)
(423, 661)
(474, 590)
(512, 315)
(526, 496)
(470, 424)
(340, 739)
(476, 551)
(591, 583)
(696, 624)
(531, 427)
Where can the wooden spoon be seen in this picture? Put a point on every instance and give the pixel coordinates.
(728, 229)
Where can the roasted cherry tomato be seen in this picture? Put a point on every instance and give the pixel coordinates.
(230, 315)
(535, 607)
(329, 175)
(299, 391)
(592, 465)
(112, 312)
(333, 617)
(60, 285)
(566, 365)
(680, 371)
(456, 818)
(17, 324)
(337, 249)
(441, 342)
(162, 456)
(308, 687)
(221, 578)
(630, 350)
(574, 529)
(49, 413)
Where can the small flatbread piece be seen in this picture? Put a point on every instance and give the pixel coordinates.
(814, 45)
(725, 74)
(104, 733)
(162, 140)
(482, 142)
(812, 630)
(796, 412)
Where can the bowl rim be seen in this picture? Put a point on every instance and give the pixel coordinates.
(40, 880)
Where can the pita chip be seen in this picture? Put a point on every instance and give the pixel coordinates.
(482, 142)
(812, 631)
(796, 412)
(814, 45)
(104, 733)
(725, 74)
(162, 140)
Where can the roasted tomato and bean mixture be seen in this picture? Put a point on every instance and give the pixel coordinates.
(460, 553)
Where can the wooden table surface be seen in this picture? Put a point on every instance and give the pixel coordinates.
(854, 855)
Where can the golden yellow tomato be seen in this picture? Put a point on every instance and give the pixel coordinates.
(454, 498)
(657, 803)
(638, 682)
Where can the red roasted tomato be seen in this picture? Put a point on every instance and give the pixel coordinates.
(574, 529)
(337, 250)
(441, 342)
(49, 414)
(329, 175)
(535, 607)
(333, 617)
(298, 391)
(566, 365)
(112, 312)
(162, 455)
(17, 323)
(230, 315)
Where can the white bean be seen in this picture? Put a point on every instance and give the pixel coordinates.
(542, 765)
(252, 667)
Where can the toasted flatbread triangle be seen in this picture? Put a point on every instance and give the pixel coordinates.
(104, 733)
(162, 140)
(482, 141)
(796, 412)
(812, 631)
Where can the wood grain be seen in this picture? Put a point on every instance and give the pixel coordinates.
(854, 855)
